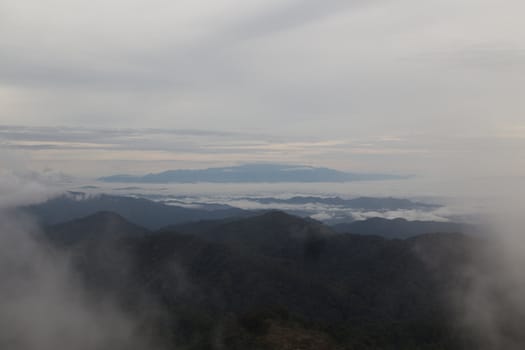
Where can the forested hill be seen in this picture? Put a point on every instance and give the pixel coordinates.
(275, 281)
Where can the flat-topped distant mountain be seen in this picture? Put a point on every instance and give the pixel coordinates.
(252, 173)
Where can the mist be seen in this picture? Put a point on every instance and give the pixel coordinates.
(489, 303)
(19, 185)
(44, 303)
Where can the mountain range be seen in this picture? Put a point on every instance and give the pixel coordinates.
(399, 228)
(140, 211)
(156, 215)
(364, 203)
(251, 173)
(274, 281)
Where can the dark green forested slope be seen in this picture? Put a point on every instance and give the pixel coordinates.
(275, 281)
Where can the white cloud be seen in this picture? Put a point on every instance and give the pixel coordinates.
(19, 185)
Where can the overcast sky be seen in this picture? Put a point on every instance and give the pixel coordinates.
(403, 86)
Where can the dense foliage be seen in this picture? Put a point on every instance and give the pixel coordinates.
(272, 281)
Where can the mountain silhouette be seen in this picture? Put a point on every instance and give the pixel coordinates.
(140, 211)
(251, 173)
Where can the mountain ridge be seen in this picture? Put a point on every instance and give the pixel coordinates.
(236, 283)
(398, 227)
(140, 211)
(251, 173)
(102, 225)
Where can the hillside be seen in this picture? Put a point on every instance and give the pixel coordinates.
(100, 226)
(397, 228)
(269, 280)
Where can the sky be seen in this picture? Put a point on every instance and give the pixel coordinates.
(398, 86)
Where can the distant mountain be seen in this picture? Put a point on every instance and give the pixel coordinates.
(363, 203)
(387, 228)
(397, 228)
(251, 173)
(143, 212)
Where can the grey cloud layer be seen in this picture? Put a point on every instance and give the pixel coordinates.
(95, 152)
(357, 65)
(284, 79)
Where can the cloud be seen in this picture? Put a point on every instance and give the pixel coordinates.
(276, 77)
(94, 152)
(43, 303)
(20, 185)
(495, 59)
(485, 285)
(249, 65)
(194, 55)
(49, 144)
(293, 14)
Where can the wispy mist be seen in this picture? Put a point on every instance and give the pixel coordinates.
(43, 302)
(43, 305)
(490, 301)
(19, 185)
